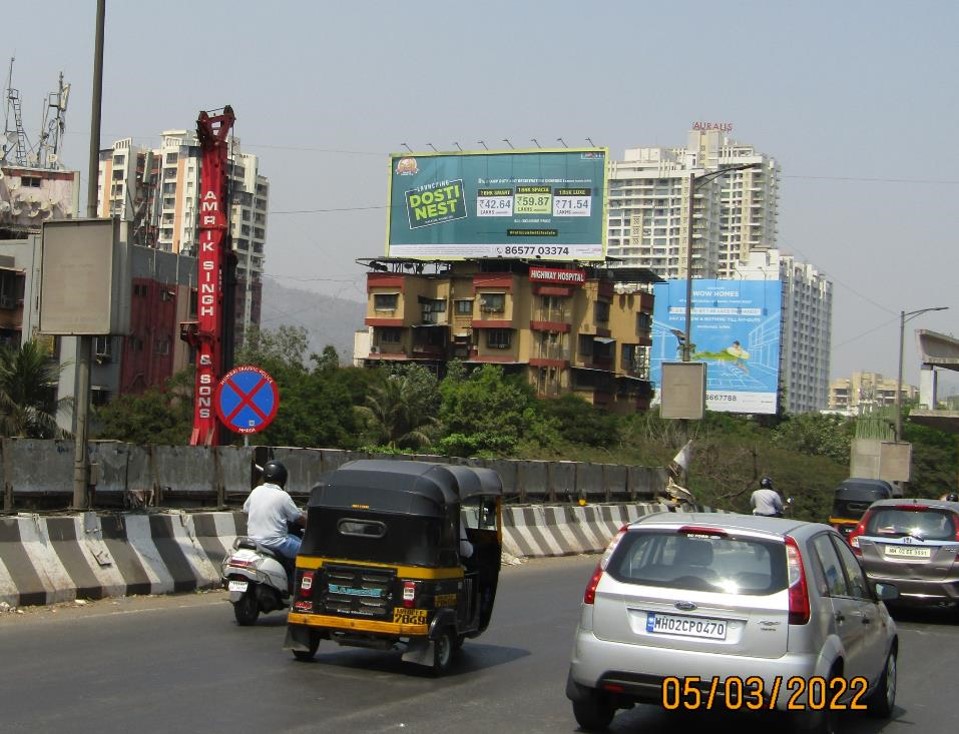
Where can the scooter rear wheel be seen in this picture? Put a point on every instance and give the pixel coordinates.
(247, 609)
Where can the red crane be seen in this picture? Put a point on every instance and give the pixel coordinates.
(209, 332)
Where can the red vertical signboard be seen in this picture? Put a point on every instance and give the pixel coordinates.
(212, 132)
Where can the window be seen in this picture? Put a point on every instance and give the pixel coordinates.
(602, 312)
(644, 321)
(834, 581)
(499, 338)
(389, 336)
(33, 181)
(464, 307)
(361, 528)
(162, 346)
(492, 302)
(856, 579)
(731, 565)
(385, 301)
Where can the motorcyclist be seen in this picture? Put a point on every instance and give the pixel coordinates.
(766, 501)
(952, 497)
(269, 508)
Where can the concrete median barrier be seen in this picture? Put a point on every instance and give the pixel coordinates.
(51, 559)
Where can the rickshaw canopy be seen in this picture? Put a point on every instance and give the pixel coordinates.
(403, 487)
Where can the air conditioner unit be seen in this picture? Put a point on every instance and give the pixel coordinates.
(374, 349)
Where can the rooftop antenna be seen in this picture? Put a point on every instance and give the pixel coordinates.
(433, 147)
(560, 140)
(14, 139)
(51, 131)
(537, 142)
(483, 143)
(590, 141)
(458, 146)
(506, 140)
(407, 147)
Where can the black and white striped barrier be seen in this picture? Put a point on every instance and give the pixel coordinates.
(46, 560)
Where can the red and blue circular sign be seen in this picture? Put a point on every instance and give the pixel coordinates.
(247, 399)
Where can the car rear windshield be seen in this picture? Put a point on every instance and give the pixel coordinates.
(729, 565)
(927, 524)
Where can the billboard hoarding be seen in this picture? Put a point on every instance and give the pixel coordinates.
(543, 203)
(735, 330)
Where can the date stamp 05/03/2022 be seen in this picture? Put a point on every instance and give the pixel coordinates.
(817, 693)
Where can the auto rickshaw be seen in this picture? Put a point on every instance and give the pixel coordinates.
(851, 500)
(381, 567)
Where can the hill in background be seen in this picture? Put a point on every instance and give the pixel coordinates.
(327, 319)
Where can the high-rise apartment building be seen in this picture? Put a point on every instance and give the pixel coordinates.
(158, 191)
(806, 327)
(733, 214)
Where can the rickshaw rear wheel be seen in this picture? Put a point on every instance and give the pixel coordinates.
(312, 647)
(443, 647)
(247, 609)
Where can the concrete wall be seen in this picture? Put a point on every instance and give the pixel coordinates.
(38, 474)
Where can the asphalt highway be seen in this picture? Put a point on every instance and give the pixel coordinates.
(171, 665)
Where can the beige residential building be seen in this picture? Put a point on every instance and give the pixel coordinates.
(566, 328)
(865, 391)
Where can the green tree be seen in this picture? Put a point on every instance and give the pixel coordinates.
(579, 422)
(816, 435)
(159, 415)
(486, 412)
(28, 392)
(400, 410)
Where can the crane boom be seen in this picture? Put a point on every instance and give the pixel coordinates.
(207, 333)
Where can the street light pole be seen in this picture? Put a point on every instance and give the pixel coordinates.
(905, 316)
(694, 183)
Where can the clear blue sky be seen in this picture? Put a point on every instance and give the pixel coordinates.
(856, 99)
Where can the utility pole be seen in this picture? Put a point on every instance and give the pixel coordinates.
(81, 461)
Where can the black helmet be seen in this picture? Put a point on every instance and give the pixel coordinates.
(952, 497)
(275, 472)
(766, 483)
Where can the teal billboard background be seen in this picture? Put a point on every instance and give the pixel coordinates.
(546, 204)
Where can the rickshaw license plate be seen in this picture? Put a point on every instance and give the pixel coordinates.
(409, 616)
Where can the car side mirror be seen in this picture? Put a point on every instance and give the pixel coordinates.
(886, 592)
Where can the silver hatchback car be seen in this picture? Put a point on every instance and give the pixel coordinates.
(715, 611)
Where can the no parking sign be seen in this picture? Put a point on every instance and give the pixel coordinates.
(247, 399)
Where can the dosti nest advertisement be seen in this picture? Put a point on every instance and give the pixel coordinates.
(734, 329)
(548, 204)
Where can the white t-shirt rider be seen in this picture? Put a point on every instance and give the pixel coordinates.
(766, 502)
(269, 508)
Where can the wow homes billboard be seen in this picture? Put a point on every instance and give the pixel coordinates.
(735, 327)
(548, 204)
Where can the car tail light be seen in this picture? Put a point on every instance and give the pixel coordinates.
(306, 583)
(798, 590)
(860, 529)
(409, 594)
(590, 594)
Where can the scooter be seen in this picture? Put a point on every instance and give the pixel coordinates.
(256, 579)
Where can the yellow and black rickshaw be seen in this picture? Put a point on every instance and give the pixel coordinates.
(398, 555)
(851, 500)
